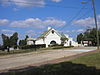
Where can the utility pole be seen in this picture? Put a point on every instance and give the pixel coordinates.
(97, 35)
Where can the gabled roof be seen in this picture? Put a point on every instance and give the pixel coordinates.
(46, 32)
(63, 35)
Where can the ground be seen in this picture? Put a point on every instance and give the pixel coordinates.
(89, 60)
(35, 58)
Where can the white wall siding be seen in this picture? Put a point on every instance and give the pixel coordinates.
(39, 41)
(49, 37)
(53, 37)
(30, 43)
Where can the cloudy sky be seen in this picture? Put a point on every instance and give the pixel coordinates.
(32, 17)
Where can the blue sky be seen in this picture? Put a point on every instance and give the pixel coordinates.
(32, 17)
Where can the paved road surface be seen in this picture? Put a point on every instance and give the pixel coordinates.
(17, 60)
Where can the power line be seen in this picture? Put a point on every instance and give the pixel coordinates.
(85, 14)
(39, 4)
(51, 5)
(73, 18)
(76, 17)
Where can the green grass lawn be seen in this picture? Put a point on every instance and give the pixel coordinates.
(84, 65)
(89, 60)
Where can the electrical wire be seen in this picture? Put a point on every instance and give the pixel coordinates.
(39, 4)
(72, 18)
(76, 17)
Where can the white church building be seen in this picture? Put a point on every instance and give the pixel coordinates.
(52, 37)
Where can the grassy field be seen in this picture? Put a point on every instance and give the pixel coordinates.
(89, 60)
(84, 65)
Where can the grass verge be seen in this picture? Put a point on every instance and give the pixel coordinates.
(89, 60)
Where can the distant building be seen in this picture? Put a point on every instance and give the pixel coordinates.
(52, 37)
(86, 43)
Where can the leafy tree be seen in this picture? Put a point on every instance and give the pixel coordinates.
(6, 42)
(89, 35)
(10, 41)
(80, 38)
(23, 42)
(93, 37)
(26, 37)
(86, 34)
(14, 39)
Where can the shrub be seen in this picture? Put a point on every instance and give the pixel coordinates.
(2, 48)
(55, 45)
(32, 46)
(68, 46)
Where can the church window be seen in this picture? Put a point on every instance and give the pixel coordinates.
(52, 31)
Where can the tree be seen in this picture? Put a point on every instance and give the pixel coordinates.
(6, 42)
(80, 38)
(14, 39)
(10, 41)
(89, 35)
(26, 37)
(93, 37)
(23, 42)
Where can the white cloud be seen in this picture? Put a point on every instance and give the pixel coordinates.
(7, 31)
(23, 3)
(79, 30)
(73, 31)
(56, 0)
(87, 22)
(30, 33)
(37, 23)
(8, 35)
(33, 22)
(33, 34)
(18, 24)
(4, 21)
(55, 22)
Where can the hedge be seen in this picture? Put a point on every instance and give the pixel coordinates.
(32, 46)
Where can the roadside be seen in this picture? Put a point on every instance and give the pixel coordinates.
(39, 51)
(37, 59)
(85, 64)
(42, 50)
(21, 51)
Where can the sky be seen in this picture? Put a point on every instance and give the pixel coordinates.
(33, 17)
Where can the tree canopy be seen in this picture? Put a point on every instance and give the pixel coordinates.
(23, 42)
(10, 41)
(88, 35)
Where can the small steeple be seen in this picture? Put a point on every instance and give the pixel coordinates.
(49, 28)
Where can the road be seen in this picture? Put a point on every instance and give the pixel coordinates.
(17, 60)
